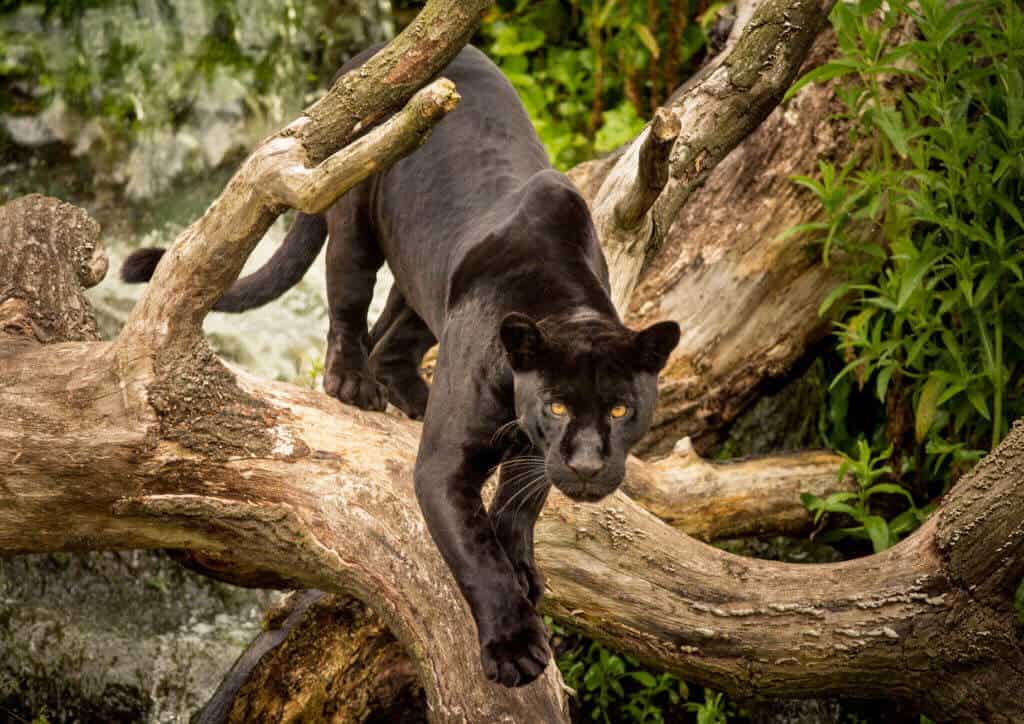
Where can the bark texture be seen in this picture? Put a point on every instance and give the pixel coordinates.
(283, 484)
(713, 501)
(746, 297)
(324, 658)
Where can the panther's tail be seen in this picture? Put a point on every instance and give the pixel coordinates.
(281, 272)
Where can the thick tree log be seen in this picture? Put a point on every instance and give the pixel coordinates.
(282, 481)
(745, 295)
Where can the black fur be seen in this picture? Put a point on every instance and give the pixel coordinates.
(495, 255)
(281, 272)
(140, 265)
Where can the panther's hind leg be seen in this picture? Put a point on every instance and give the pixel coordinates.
(399, 340)
(353, 258)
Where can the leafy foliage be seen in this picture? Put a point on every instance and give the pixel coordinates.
(133, 68)
(866, 469)
(591, 73)
(615, 688)
(926, 222)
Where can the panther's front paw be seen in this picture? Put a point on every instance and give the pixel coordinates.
(518, 654)
(357, 388)
(530, 581)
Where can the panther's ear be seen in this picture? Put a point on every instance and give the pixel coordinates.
(523, 342)
(655, 344)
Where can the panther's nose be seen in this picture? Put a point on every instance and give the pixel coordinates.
(585, 468)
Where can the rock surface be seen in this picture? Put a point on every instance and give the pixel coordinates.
(125, 636)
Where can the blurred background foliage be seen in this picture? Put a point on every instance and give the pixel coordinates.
(925, 370)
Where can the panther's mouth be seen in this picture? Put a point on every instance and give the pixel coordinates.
(583, 492)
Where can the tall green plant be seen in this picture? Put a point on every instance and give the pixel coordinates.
(935, 298)
(590, 72)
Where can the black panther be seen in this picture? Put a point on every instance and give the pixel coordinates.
(495, 256)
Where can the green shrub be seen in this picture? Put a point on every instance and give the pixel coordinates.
(925, 223)
(590, 74)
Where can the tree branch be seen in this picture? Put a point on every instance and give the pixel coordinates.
(713, 501)
(652, 170)
(207, 257)
(716, 111)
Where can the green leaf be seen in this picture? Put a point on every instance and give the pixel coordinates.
(890, 488)
(647, 38)
(927, 404)
(842, 508)
(978, 400)
(644, 678)
(891, 122)
(828, 71)
(882, 383)
(914, 273)
(878, 531)
(833, 295)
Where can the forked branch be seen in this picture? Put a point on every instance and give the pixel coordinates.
(715, 113)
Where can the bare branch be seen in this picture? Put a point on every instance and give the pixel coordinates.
(207, 257)
(712, 501)
(312, 190)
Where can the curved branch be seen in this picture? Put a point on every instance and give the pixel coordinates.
(295, 166)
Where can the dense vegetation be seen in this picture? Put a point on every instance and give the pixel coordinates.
(924, 221)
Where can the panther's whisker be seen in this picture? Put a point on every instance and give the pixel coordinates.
(538, 492)
(504, 429)
(534, 487)
(520, 476)
(528, 486)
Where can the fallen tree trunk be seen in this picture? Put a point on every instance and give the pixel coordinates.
(282, 484)
(301, 669)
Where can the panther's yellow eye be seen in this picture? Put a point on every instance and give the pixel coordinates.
(619, 411)
(557, 408)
